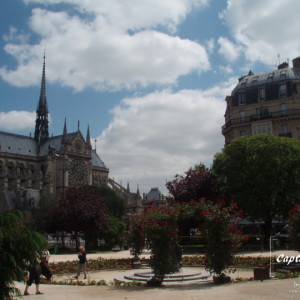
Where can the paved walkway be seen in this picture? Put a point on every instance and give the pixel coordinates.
(126, 254)
(268, 289)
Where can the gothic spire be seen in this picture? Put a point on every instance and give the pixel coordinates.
(88, 138)
(64, 139)
(41, 133)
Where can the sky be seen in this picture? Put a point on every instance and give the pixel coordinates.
(148, 77)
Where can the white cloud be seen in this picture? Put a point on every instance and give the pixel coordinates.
(226, 69)
(265, 28)
(210, 45)
(228, 49)
(133, 14)
(152, 138)
(109, 45)
(17, 120)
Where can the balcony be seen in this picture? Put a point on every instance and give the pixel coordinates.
(286, 134)
(264, 116)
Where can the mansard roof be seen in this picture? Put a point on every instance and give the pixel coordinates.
(154, 194)
(276, 76)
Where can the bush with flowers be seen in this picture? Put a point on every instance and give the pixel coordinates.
(160, 228)
(215, 223)
(294, 222)
(136, 237)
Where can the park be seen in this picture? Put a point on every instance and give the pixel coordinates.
(202, 200)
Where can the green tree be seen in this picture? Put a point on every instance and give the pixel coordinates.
(261, 173)
(115, 206)
(114, 234)
(38, 214)
(19, 247)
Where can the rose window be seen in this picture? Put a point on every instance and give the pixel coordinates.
(78, 172)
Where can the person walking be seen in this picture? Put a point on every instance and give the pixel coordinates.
(82, 262)
(34, 275)
(45, 265)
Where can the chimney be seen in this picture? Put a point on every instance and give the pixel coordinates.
(296, 62)
(284, 65)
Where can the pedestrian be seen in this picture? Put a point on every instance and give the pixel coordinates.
(45, 265)
(82, 262)
(46, 256)
(34, 275)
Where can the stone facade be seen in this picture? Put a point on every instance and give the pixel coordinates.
(265, 103)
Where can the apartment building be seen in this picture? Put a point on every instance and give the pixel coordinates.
(266, 103)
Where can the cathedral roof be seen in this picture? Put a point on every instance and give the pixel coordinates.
(23, 145)
(17, 144)
(96, 160)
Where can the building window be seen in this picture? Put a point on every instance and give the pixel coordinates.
(270, 77)
(261, 94)
(262, 112)
(242, 114)
(254, 80)
(243, 133)
(265, 128)
(242, 98)
(282, 90)
(284, 128)
(283, 109)
(283, 74)
(243, 83)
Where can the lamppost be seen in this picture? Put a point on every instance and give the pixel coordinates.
(270, 240)
(58, 156)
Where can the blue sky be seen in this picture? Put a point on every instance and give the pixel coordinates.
(149, 77)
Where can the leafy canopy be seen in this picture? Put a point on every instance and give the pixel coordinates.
(261, 173)
(19, 248)
(197, 183)
(81, 209)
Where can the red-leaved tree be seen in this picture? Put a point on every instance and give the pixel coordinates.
(80, 209)
(197, 183)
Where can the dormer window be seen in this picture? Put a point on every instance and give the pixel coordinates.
(242, 98)
(283, 74)
(254, 80)
(271, 76)
(243, 83)
(261, 94)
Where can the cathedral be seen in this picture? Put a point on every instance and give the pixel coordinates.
(31, 167)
